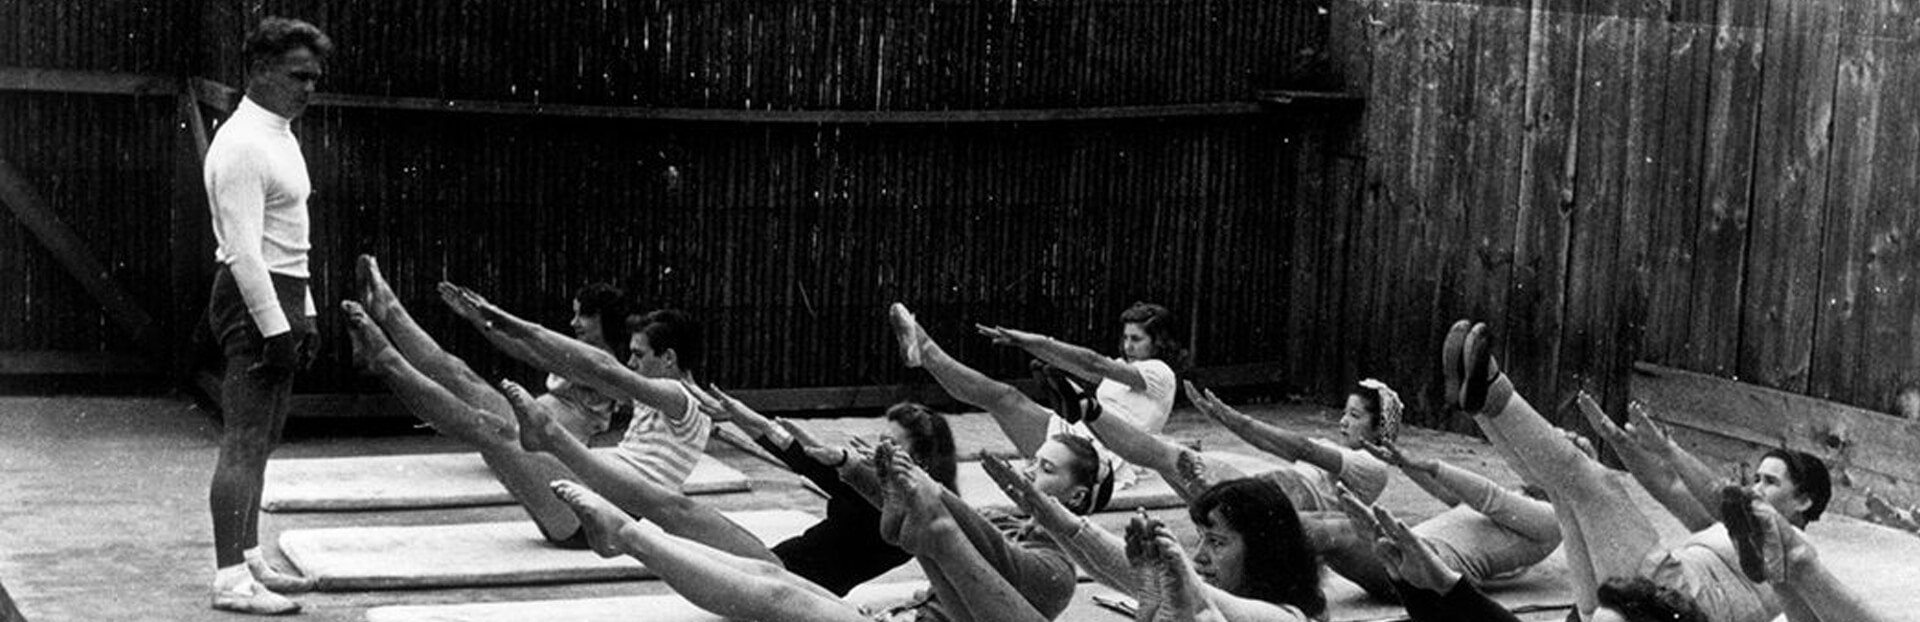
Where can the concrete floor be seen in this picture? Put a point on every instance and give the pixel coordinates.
(105, 514)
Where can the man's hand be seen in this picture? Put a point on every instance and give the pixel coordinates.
(279, 354)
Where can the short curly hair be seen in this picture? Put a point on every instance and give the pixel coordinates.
(275, 36)
(1639, 599)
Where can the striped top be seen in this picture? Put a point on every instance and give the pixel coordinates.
(665, 448)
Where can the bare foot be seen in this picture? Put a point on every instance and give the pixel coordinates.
(539, 433)
(913, 339)
(893, 495)
(374, 291)
(1147, 567)
(370, 345)
(599, 518)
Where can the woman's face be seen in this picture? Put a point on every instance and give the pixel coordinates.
(1774, 485)
(586, 328)
(1356, 423)
(1135, 344)
(901, 438)
(1221, 555)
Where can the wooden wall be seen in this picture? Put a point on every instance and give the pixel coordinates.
(1724, 186)
(790, 238)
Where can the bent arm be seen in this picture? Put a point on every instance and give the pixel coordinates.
(238, 198)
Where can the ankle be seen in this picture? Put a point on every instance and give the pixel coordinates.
(231, 578)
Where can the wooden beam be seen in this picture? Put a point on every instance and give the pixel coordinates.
(1861, 447)
(85, 82)
(805, 117)
(62, 363)
(27, 206)
(221, 97)
(1283, 97)
(213, 94)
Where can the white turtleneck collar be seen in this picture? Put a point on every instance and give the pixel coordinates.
(252, 112)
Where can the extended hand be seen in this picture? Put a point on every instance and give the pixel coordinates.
(1007, 336)
(1409, 557)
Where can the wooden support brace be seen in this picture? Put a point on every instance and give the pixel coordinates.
(32, 211)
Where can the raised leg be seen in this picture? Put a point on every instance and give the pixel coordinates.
(709, 578)
(1023, 420)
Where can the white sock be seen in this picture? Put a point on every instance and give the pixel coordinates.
(232, 578)
(253, 557)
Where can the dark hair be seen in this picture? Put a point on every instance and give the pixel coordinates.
(608, 304)
(1810, 477)
(672, 329)
(275, 36)
(1085, 469)
(932, 441)
(1169, 339)
(1280, 567)
(1639, 599)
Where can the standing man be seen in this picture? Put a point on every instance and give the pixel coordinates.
(261, 310)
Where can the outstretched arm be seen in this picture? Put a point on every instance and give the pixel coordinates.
(1100, 553)
(1423, 471)
(1644, 453)
(578, 361)
(1694, 476)
(1083, 363)
(1366, 476)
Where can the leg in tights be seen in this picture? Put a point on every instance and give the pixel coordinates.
(1023, 420)
(421, 350)
(709, 578)
(1599, 520)
(525, 475)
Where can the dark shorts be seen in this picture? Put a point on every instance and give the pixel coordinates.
(233, 329)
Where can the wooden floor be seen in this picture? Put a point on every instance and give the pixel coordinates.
(105, 514)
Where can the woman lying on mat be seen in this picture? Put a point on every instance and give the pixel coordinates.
(977, 573)
(442, 390)
(1253, 552)
(1137, 388)
(1488, 531)
(1431, 588)
(1619, 566)
(843, 550)
(1309, 478)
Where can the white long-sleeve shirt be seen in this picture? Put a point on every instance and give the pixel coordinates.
(257, 188)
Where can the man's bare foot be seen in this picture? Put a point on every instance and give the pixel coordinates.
(374, 291)
(913, 339)
(538, 432)
(599, 518)
(370, 345)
